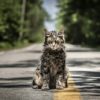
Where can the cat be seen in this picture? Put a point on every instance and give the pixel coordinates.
(53, 59)
(37, 79)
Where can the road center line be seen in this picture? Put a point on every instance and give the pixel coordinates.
(70, 93)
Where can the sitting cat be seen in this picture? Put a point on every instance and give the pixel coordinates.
(53, 60)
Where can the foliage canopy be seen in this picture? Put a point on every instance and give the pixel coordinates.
(81, 19)
(10, 21)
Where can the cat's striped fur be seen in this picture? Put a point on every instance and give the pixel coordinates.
(53, 60)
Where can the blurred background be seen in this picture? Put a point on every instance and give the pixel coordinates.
(22, 21)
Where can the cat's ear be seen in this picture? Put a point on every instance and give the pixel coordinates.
(61, 34)
(46, 33)
(61, 31)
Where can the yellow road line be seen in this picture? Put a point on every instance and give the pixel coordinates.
(70, 93)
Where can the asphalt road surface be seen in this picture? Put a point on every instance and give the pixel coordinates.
(16, 72)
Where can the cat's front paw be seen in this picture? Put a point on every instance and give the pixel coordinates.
(62, 83)
(45, 85)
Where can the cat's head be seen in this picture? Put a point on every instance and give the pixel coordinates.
(54, 40)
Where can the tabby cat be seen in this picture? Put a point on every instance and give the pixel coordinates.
(53, 60)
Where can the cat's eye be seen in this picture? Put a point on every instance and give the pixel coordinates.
(57, 42)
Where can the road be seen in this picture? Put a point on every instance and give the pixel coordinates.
(16, 72)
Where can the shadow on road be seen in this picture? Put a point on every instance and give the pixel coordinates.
(6, 85)
(20, 64)
(80, 62)
(19, 81)
(86, 75)
(87, 81)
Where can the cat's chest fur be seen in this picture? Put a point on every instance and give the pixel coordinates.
(53, 58)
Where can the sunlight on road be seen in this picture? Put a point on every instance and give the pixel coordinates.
(70, 93)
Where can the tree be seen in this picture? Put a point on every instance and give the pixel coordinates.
(17, 24)
(9, 24)
(34, 19)
(81, 19)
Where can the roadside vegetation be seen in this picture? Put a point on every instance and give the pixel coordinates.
(21, 22)
(81, 19)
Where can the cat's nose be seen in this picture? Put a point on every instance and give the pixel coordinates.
(53, 44)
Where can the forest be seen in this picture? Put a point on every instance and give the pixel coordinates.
(81, 19)
(22, 21)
